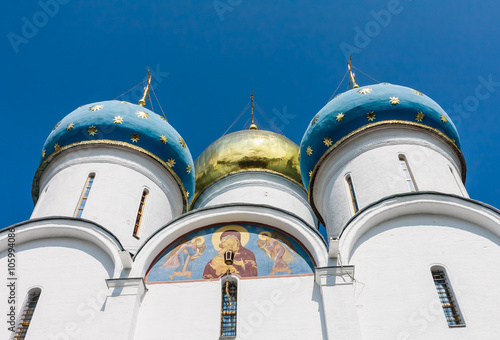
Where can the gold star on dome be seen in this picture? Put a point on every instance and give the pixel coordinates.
(70, 126)
(327, 141)
(420, 116)
(188, 169)
(134, 137)
(364, 90)
(187, 193)
(164, 139)
(315, 120)
(394, 100)
(182, 142)
(92, 130)
(418, 92)
(443, 119)
(370, 116)
(142, 114)
(165, 119)
(171, 162)
(44, 153)
(95, 108)
(340, 117)
(309, 151)
(118, 120)
(57, 125)
(310, 173)
(57, 147)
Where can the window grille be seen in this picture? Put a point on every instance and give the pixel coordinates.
(456, 181)
(229, 309)
(407, 174)
(85, 195)
(353, 194)
(139, 214)
(450, 307)
(29, 309)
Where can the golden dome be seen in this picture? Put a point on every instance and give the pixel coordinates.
(247, 150)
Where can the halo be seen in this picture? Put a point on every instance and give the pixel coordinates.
(201, 238)
(243, 232)
(266, 233)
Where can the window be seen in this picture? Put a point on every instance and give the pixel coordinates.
(85, 195)
(406, 173)
(456, 180)
(29, 309)
(353, 194)
(448, 302)
(229, 308)
(139, 214)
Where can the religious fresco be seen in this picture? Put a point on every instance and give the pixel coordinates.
(258, 251)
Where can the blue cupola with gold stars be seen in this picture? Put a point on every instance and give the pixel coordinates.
(361, 108)
(125, 125)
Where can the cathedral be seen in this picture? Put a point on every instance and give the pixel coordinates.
(130, 239)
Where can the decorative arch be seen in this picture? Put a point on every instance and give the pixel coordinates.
(259, 251)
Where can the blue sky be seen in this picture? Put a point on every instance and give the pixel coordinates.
(207, 55)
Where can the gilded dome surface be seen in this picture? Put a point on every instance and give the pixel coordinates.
(126, 125)
(247, 150)
(365, 107)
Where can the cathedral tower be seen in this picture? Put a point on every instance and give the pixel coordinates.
(117, 164)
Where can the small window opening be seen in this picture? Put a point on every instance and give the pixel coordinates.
(140, 213)
(353, 194)
(229, 309)
(85, 195)
(27, 313)
(447, 299)
(406, 173)
(456, 180)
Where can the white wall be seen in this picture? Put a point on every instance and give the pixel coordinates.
(373, 163)
(396, 297)
(277, 308)
(120, 178)
(71, 275)
(258, 187)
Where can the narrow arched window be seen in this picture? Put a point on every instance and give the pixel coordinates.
(85, 195)
(229, 308)
(407, 173)
(456, 180)
(353, 193)
(138, 219)
(446, 297)
(27, 313)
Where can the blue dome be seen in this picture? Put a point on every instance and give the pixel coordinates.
(127, 125)
(370, 106)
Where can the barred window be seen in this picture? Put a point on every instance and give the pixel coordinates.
(27, 315)
(353, 193)
(229, 309)
(407, 173)
(446, 297)
(85, 195)
(138, 219)
(456, 180)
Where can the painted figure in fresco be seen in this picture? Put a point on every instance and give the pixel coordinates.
(244, 263)
(279, 249)
(182, 256)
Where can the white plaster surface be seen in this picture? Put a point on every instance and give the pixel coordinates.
(120, 178)
(372, 161)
